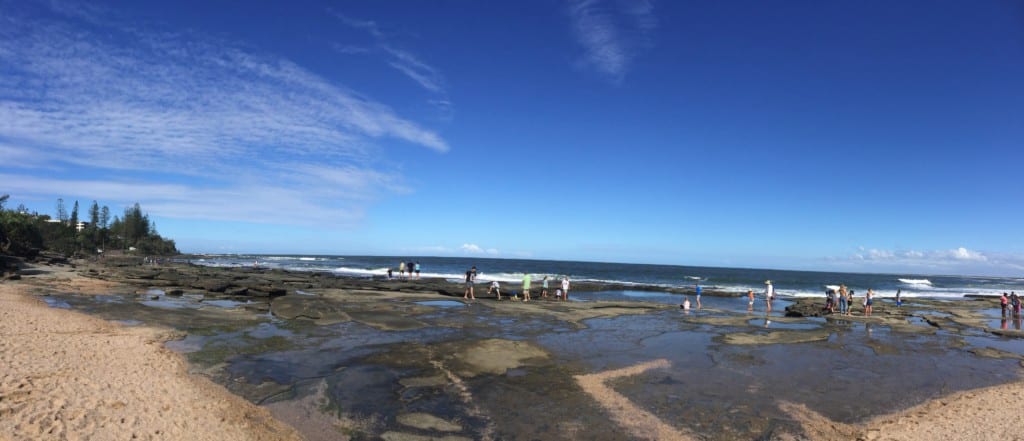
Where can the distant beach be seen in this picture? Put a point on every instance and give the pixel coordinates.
(370, 358)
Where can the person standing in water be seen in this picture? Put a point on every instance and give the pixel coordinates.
(1003, 302)
(769, 294)
(899, 301)
(868, 300)
(750, 300)
(565, 288)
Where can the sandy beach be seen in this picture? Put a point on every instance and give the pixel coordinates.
(68, 376)
(71, 376)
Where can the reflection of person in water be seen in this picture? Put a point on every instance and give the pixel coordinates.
(1002, 323)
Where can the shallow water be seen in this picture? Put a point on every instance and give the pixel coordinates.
(718, 390)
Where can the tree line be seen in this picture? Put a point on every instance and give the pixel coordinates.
(26, 234)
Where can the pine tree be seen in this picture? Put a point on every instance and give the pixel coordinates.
(62, 213)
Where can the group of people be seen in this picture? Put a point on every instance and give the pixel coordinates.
(843, 298)
(1011, 302)
(769, 296)
(495, 287)
(412, 268)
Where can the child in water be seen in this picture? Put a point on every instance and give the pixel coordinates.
(686, 304)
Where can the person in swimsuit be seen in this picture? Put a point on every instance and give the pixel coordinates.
(1003, 302)
(697, 288)
(750, 300)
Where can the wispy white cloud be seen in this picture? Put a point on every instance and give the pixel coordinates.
(123, 101)
(612, 33)
(401, 60)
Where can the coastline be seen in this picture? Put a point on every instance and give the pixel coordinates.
(68, 375)
(76, 376)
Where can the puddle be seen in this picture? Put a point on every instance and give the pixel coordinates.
(155, 292)
(190, 343)
(165, 303)
(1005, 323)
(55, 302)
(129, 322)
(267, 330)
(442, 303)
(1012, 345)
(225, 303)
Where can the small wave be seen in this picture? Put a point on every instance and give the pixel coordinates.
(694, 277)
(308, 258)
(916, 281)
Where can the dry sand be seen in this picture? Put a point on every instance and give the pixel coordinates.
(68, 376)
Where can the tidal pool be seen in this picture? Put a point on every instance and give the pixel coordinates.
(370, 376)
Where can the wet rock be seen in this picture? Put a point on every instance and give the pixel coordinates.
(236, 291)
(437, 380)
(212, 285)
(495, 356)
(314, 308)
(774, 337)
(401, 436)
(994, 353)
(806, 307)
(427, 421)
(386, 321)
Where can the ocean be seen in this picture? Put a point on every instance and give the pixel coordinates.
(787, 282)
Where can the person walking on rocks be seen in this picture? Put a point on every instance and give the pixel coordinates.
(526, 287)
(565, 288)
(470, 279)
(544, 288)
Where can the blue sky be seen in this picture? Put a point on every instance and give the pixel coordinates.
(852, 136)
